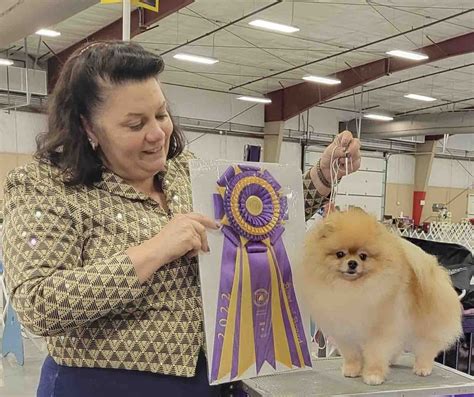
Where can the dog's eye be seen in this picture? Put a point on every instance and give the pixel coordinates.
(340, 254)
(363, 256)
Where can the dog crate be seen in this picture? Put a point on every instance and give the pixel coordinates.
(460, 357)
(459, 262)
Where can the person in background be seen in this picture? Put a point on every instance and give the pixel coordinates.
(100, 241)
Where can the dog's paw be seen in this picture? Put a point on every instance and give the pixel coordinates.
(352, 370)
(373, 378)
(422, 370)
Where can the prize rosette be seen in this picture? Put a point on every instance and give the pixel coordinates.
(257, 318)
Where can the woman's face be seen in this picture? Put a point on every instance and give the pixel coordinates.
(133, 128)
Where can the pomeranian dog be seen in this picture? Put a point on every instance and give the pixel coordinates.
(377, 295)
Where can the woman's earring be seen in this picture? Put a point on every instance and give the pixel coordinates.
(93, 144)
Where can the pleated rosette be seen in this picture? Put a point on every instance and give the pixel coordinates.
(257, 319)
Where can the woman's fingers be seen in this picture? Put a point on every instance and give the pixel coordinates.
(200, 232)
(203, 220)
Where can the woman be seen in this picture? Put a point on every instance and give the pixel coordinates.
(100, 241)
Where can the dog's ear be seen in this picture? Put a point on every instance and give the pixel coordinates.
(326, 229)
(357, 209)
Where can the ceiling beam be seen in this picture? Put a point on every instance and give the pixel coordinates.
(419, 124)
(423, 76)
(356, 48)
(113, 31)
(223, 27)
(291, 101)
(439, 106)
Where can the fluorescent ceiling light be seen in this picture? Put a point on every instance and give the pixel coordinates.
(414, 56)
(420, 97)
(322, 80)
(260, 23)
(48, 33)
(6, 62)
(378, 117)
(195, 58)
(254, 99)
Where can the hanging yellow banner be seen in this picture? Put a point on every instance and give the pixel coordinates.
(148, 4)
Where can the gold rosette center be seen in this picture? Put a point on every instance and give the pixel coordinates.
(254, 205)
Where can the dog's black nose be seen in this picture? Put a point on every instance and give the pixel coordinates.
(352, 265)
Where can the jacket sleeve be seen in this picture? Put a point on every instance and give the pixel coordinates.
(313, 201)
(50, 288)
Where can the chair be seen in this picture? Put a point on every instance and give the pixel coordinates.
(12, 341)
(3, 297)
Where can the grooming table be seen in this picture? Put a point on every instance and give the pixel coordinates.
(325, 379)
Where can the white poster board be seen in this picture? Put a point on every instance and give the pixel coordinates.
(255, 322)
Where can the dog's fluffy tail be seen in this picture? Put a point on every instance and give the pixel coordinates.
(425, 268)
(434, 296)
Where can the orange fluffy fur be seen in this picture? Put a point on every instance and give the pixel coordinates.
(376, 295)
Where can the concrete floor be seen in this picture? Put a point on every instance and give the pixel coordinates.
(22, 381)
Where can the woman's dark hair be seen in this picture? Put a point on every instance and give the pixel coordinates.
(79, 92)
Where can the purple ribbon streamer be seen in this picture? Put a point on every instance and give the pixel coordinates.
(218, 206)
(260, 278)
(281, 258)
(235, 350)
(229, 252)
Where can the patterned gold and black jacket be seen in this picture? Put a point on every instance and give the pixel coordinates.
(70, 279)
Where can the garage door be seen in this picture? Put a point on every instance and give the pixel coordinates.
(365, 188)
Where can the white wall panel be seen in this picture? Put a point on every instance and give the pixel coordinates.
(18, 131)
(7, 133)
(451, 173)
(290, 154)
(218, 147)
(401, 169)
(208, 105)
(460, 142)
(322, 120)
(214, 147)
(29, 125)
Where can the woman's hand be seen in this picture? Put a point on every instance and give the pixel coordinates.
(344, 146)
(184, 234)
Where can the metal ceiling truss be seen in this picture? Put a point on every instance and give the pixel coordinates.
(140, 21)
(403, 81)
(289, 102)
(223, 27)
(357, 48)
